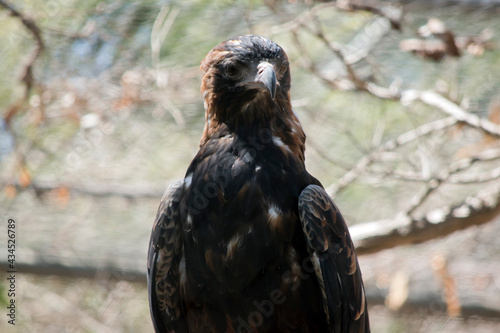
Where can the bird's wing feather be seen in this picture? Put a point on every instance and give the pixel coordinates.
(334, 260)
(163, 262)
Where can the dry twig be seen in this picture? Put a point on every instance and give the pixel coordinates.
(474, 210)
(27, 73)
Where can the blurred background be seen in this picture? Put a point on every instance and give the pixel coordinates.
(101, 111)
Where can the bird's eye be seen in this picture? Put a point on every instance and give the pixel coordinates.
(232, 70)
(283, 70)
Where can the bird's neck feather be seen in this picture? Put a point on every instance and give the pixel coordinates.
(254, 119)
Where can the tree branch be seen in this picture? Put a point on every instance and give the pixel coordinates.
(390, 12)
(416, 302)
(27, 72)
(390, 145)
(452, 174)
(76, 270)
(379, 235)
(136, 191)
(441, 103)
(434, 182)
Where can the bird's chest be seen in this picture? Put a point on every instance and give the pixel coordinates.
(241, 183)
(241, 208)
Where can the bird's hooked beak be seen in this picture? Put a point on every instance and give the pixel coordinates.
(267, 76)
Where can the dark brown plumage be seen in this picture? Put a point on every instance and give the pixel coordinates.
(249, 241)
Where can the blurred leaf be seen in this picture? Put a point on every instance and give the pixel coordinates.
(451, 297)
(398, 291)
(24, 177)
(63, 196)
(10, 191)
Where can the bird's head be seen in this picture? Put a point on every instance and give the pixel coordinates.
(246, 81)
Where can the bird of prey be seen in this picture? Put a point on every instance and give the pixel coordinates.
(249, 241)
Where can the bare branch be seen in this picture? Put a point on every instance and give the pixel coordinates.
(391, 12)
(441, 103)
(136, 191)
(354, 82)
(434, 182)
(474, 179)
(390, 145)
(27, 73)
(137, 275)
(379, 235)
(451, 172)
(293, 25)
(77, 270)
